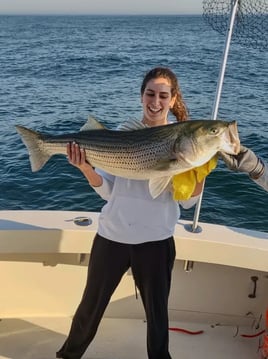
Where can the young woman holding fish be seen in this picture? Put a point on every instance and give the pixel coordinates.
(135, 231)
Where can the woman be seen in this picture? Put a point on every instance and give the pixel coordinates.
(134, 231)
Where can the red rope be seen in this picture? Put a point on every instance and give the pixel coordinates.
(252, 335)
(181, 330)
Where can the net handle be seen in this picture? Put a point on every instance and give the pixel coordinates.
(233, 12)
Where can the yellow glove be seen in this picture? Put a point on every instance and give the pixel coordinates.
(184, 183)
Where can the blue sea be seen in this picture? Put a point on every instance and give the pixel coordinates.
(56, 70)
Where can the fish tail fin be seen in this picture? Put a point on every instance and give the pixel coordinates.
(35, 144)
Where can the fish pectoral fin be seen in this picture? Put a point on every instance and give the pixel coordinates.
(157, 185)
(92, 124)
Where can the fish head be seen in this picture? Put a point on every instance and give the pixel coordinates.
(202, 139)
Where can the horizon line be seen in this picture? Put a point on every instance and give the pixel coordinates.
(97, 14)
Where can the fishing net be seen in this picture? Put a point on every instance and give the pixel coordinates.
(251, 22)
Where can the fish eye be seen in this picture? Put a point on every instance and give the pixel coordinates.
(213, 131)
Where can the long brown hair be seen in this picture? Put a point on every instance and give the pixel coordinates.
(179, 108)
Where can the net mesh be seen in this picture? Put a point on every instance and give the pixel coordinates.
(251, 22)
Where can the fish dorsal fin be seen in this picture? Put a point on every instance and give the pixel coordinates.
(92, 124)
(157, 185)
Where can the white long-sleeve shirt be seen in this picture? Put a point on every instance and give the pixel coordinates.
(131, 215)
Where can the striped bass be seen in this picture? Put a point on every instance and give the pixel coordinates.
(154, 154)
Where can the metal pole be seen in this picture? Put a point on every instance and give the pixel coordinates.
(234, 6)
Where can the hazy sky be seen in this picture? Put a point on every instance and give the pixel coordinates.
(100, 6)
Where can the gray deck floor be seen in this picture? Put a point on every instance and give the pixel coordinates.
(39, 338)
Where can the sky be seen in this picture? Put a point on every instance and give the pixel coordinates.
(100, 7)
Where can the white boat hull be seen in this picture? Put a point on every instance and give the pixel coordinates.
(43, 265)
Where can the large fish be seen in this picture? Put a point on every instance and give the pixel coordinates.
(154, 154)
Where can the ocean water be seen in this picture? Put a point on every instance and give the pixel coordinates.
(57, 70)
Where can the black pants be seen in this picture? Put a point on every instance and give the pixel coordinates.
(151, 265)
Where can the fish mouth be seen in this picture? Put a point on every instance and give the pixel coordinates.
(231, 142)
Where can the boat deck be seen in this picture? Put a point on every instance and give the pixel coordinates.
(40, 338)
(41, 251)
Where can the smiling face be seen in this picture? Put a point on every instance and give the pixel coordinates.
(157, 101)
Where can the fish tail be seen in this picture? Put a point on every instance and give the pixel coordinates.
(35, 144)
